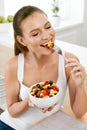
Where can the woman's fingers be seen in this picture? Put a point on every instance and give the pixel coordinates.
(75, 65)
(72, 63)
(44, 110)
(30, 103)
(51, 108)
(77, 71)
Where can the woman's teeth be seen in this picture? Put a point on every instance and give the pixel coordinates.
(48, 45)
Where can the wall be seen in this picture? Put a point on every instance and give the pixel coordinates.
(5, 54)
(2, 13)
(75, 34)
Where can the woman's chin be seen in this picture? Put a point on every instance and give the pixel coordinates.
(49, 52)
(46, 51)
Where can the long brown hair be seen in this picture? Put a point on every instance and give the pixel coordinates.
(20, 15)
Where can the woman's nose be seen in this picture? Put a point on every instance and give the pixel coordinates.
(45, 35)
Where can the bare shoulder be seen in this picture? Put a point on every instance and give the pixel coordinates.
(70, 55)
(11, 65)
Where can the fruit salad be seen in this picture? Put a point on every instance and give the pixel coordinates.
(44, 90)
(48, 45)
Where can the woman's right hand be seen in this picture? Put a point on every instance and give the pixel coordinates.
(30, 104)
(44, 110)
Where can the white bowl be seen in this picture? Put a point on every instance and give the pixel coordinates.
(43, 102)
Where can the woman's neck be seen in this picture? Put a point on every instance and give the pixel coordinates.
(37, 61)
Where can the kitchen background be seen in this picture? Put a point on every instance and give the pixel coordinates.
(71, 28)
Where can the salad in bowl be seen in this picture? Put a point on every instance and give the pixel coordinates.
(44, 94)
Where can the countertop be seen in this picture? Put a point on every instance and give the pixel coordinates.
(60, 121)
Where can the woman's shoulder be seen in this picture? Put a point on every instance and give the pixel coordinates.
(70, 55)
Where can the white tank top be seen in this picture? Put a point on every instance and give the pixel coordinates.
(33, 115)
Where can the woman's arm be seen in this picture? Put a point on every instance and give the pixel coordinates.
(15, 106)
(76, 86)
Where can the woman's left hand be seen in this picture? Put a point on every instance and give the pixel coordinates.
(78, 73)
(44, 110)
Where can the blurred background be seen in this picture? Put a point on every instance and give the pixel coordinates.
(70, 22)
(69, 18)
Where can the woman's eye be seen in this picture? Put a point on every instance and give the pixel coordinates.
(35, 34)
(48, 27)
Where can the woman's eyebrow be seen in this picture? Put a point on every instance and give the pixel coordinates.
(48, 22)
(36, 29)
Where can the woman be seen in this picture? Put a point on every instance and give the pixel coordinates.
(34, 62)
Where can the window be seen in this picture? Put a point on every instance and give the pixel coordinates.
(72, 9)
(69, 9)
(15, 5)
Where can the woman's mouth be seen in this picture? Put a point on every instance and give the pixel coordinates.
(49, 45)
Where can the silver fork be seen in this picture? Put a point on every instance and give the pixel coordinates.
(58, 50)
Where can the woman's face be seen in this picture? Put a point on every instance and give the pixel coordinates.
(37, 31)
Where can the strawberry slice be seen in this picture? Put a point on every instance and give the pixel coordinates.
(55, 88)
(46, 83)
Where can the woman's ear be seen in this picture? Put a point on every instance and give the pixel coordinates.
(20, 40)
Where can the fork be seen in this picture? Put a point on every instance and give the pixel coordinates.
(59, 51)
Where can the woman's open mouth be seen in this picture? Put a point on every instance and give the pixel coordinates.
(49, 45)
